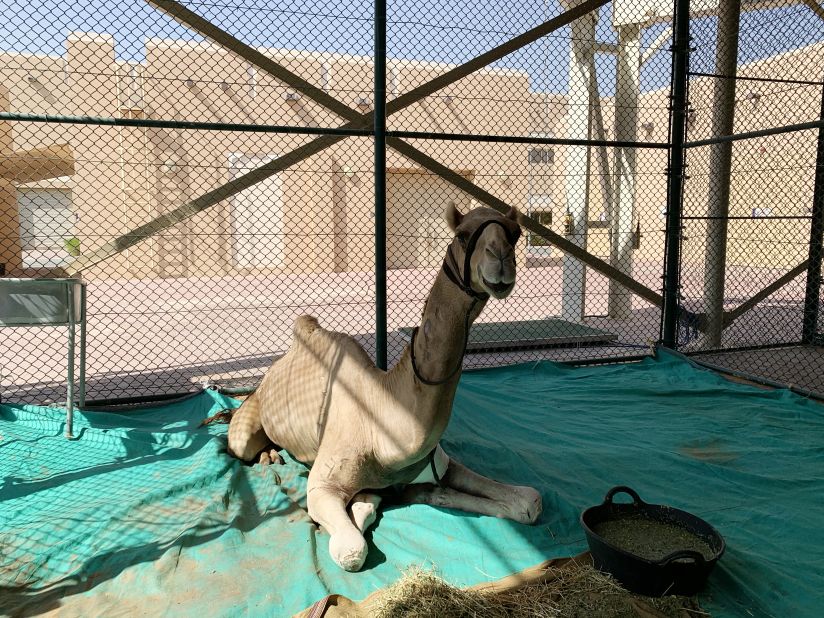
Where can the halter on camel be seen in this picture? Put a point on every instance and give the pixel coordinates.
(450, 268)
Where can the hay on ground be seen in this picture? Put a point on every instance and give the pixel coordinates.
(575, 591)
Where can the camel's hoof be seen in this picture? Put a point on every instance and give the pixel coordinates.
(348, 551)
(270, 457)
(364, 514)
(531, 506)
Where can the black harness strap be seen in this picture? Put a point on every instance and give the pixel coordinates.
(434, 469)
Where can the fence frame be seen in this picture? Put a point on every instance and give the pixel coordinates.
(374, 125)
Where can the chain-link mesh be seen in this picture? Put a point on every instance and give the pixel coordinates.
(129, 136)
(749, 204)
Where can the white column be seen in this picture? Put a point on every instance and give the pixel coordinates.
(627, 89)
(718, 195)
(573, 289)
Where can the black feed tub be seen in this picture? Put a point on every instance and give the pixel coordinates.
(681, 572)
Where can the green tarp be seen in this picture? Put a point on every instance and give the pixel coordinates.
(145, 512)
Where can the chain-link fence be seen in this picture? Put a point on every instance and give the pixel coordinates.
(210, 170)
(752, 218)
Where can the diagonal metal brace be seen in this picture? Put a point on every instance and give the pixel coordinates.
(195, 22)
(731, 316)
(192, 20)
(699, 320)
(357, 121)
(528, 222)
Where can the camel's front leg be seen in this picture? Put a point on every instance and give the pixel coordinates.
(363, 510)
(466, 490)
(328, 508)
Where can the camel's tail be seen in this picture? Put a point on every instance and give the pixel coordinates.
(224, 416)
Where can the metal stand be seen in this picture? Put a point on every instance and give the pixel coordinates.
(675, 178)
(50, 302)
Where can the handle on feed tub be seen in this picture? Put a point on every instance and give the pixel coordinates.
(694, 556)
(636, 499)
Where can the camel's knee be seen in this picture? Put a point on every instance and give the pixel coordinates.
(325, 507)
(328, 507)
(348, 549)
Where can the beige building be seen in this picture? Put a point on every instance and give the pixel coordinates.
(91, 184)
(315, 216)
(772, 178)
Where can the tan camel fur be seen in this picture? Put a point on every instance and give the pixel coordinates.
(362, 429)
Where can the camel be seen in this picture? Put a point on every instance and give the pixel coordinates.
(362, 430)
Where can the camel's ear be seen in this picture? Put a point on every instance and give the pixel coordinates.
(513, 214)
(452, 216)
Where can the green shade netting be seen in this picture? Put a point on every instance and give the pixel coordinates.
(146, 512)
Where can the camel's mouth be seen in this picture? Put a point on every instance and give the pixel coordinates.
(498, 290)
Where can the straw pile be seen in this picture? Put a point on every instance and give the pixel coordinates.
(575, 592)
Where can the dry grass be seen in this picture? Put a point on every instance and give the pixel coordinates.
(575, 592)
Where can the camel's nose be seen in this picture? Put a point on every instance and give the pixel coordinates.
(501, 265)
(500, 253)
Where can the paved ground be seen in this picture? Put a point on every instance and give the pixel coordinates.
(166, 335)
(799, 366)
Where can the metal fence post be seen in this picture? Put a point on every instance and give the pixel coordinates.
(718, 207)
(813, 288)
(675, 179)
(380, 184)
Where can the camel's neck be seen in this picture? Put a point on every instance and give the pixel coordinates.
(440, 342)
(439, 348)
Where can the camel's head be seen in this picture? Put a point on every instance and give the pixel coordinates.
(488, 239)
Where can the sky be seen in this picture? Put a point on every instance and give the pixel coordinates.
(422, 29)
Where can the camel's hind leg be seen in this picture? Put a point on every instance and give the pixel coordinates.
(522, 504)
(246, 435)
(469, 491)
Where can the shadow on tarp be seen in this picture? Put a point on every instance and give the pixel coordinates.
(138, 493)
(30, 601)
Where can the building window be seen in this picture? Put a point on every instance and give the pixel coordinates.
(544, 217)
(132, 113)
(540, 208)
(256, 216)
(541, 156)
